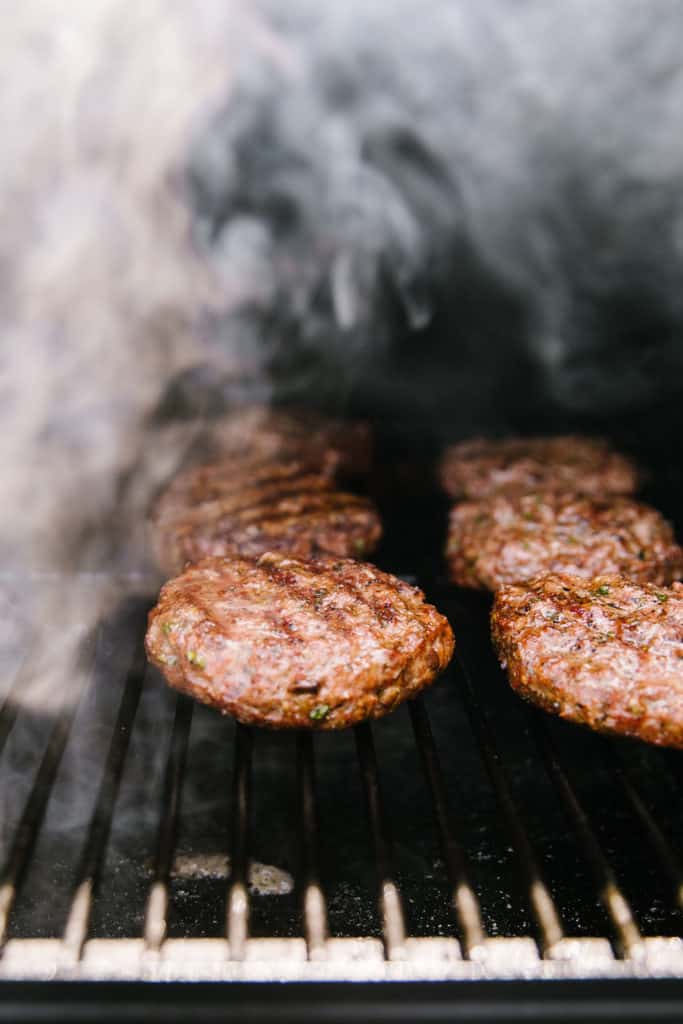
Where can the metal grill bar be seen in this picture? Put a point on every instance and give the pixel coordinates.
(540, 900)
(315, 910)
(8, 715)
(76, 930)
(391, 912)
(10, 705)
(156, 914)
(465, 902)
(238, 895)
(611, 896)
(667, 857)
(34, 810)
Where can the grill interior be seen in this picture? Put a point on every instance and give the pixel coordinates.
(463, 837)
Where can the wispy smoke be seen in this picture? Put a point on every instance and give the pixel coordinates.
(460, 209)
(101, 290)
(406, 172)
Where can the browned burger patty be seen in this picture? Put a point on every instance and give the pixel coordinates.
(249, 506)
(479, 468)
(605, 652)
(276, 433)
(510, 538)
(291, 644)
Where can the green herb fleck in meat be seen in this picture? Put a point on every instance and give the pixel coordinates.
(662, 598)
(196, 658)
(319, 713)
(168, 627)
(603, 590)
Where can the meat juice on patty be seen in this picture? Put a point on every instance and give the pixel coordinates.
(285, 643)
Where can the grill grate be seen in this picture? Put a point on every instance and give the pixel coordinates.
(467, 941)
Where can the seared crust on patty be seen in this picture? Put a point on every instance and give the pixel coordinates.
(480, 467)
(511, 538)
(605, 652)
(249, 506)
(292, 432)
(291, 644)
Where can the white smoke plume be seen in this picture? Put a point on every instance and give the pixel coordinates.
(101, 289)
(461, 208)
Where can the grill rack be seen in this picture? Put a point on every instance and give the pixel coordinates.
(468, 952)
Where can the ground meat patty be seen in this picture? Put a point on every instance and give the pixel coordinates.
(265, 432)
(248, 506)
(479, 468)
(605, 652)
(291, 644)
(511, 538)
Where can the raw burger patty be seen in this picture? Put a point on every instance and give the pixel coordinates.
(249, 506)
(511, 538)
(291, 644)
(259, 430)
(606, 652)
(479, 468)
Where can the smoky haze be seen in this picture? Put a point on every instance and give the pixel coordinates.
(471, 211)
(463, 216)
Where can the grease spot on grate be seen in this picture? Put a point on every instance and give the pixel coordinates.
(264, 879)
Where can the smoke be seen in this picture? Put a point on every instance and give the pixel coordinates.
(448, 204)
(101, 289)
(463, 215)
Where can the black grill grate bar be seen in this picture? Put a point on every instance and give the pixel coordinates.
(76, 930)
(156, 913)
(11, 704)
(31, 819)
(540, 899)
(611, 896)
(465, 902)
(391, 911)
(314, 906)
(667, 858)
(238, 895)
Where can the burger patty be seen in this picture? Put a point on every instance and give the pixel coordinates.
(480, 468)
(511, 538)
(249, 506)
(605, 652)
(291, 644)
(345, 446)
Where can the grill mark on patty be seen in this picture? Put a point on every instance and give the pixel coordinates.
(296, 510)
(326, 501)
(316, 529)
(254, 510)
(378, 606)
(346, 624)
(340, 621)
(246, 498)
(288, 656)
